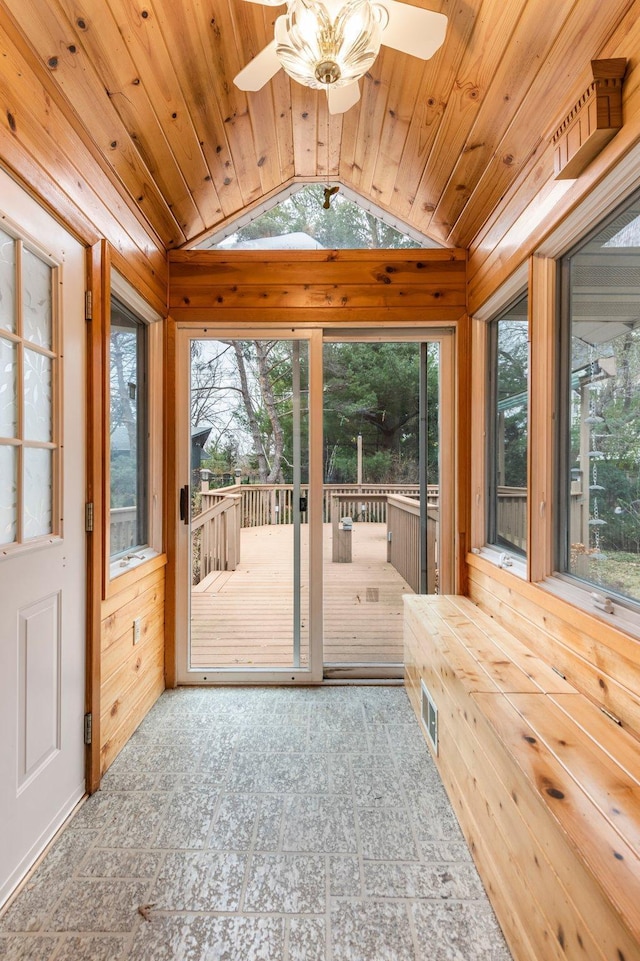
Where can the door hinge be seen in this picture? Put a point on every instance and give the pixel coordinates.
(88, 518)
(88, 724)
(88, 305)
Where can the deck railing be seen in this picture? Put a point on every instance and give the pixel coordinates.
(403, 540)
(123, 529)
(216, 531)
(215, 538)
(264, 504)
(512, 516)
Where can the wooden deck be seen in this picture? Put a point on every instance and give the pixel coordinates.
(244, 618)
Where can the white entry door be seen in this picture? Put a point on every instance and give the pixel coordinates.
(42, 541)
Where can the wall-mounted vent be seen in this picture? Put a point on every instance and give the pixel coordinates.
(429, 713)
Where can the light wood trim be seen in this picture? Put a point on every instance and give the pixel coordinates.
(174, 384)
(455, 511)
(95, 495)
(478, 467)
(542, 417)
(316, 469)
(331, 315)
(154, 294)
(103, 426)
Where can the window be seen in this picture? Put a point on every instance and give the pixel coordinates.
(600, 439)
(508, 428)
(312, 216)
(128, 431)
(29, 379)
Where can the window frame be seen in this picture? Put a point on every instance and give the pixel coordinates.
(127, 297)
(54, 353)
(129, 320)
(586, 594)
(509, 555)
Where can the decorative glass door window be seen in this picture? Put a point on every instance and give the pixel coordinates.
(29, 371)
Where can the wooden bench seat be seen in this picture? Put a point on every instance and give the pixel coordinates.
(546, 787)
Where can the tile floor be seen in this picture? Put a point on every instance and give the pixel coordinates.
(262, 825)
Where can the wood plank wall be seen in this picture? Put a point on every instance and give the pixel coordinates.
(600, 661)
(536, 203)
(132, 676)
(346, 287)
(42, 145)
(410, 288)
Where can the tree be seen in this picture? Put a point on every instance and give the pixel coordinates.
(512, 380)
(372, 389)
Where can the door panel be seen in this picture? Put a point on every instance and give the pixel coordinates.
(381, 471)
(271, 575)
(42, 569)
(249, 509)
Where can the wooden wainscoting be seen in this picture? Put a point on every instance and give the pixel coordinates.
(132, 674)
(598, 659)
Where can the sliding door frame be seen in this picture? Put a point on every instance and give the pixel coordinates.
(269, 675)
(316, 335)
(445, 337)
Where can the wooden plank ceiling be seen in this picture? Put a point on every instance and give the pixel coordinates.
(438, 144)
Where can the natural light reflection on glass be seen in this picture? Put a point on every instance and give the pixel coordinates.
(7, 282)
(249, 493)
(128, 432)
(7, 388)
(37, 396)
(604, 476)
(36, 293)
(510, 428)
(8, 494)
(37, 492)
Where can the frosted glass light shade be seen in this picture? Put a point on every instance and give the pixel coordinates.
(322, 44)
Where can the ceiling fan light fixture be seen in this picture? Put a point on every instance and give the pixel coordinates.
(329, 44)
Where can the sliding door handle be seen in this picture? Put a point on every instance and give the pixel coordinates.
(184, 503)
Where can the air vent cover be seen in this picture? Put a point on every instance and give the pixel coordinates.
(429, 713)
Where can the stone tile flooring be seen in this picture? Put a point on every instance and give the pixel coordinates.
(262, 825)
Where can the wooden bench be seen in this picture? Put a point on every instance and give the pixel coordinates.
(545, 786)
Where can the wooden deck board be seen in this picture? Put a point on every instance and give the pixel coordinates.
(244, 617)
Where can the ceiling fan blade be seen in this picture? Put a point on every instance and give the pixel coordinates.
(260, 70)
(341, 99)
(413, 30)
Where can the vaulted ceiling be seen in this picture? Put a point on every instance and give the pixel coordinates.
(436, 143)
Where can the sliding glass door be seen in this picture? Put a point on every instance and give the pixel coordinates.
(381, 470)
(316, 493)
(246, 509)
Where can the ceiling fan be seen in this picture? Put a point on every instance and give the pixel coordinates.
(330, 44)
